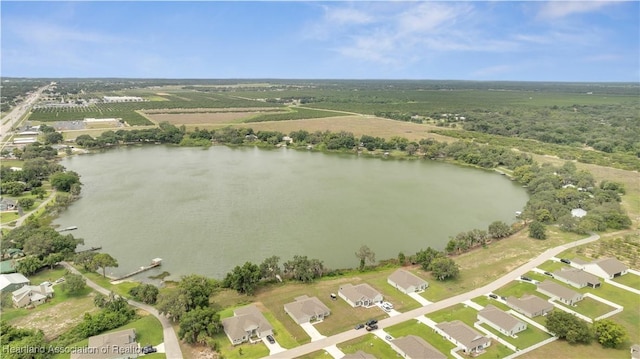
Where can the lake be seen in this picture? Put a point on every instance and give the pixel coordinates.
(207, 210)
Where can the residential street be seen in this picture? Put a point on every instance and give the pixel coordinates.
(352, 334)
(171, 344)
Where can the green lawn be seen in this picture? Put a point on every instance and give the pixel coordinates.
(414, 327)
(369, 344)
(245, 350)
(630, 280)
(456, 312)
(551, 266)
(525, 339)
(318, 354)
(591, 308)
(6, 217)
(518, 289)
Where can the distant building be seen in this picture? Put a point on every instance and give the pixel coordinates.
(577, 278)
(608, 268)
(361, 295)
(407, 282)
(111, 99)
(11, 282)
(559, 292)
(529, 305)
(501, 321)
(31, 295)
(463, 336)
(307, 309)
(578, 212)
(247, 322)
(414, 347)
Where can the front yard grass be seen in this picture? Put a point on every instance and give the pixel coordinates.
(414, 327)
(318, 354)
(590, 307)
(244, 350)
(630, 280)
(456, 312)
(525, 339)
(518, 289)
(369, 344)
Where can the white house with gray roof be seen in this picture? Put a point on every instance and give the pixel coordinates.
(501, 321)
(246, 323)
(407, 282)
(577, 278)
(463, 336)
(31, 295)
(306, 309)
(414, 347)
(361, 295)
(11, 282)
(529, 305)
(606, 268)
(559, 292)
(117, 345)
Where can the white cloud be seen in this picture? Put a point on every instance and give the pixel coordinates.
(346, 16)
(559, 9)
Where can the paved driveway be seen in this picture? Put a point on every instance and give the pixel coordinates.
(312, 331)
(274, 348)
(420, 299)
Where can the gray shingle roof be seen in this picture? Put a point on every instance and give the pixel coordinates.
(463, 334)
(417, 348)
(406, 279)
(499, 318)
(558, 290)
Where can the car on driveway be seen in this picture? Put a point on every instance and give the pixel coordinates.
(270, 339)
(372, 327)
(149, 349)
(359, 326)
(388, 337)
(371, 322)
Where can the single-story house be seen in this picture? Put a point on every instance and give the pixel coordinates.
(577, 278)
(361, 295)
(559, 292)
(11, 282)
(116, 345)
(463, 336)
(414, 347)
(529, 305)
(31, 295)
(359, 355)
(606, 268)
(501, 321)
(247, 322)
(8, 204)
(306, 309)
(407, 282)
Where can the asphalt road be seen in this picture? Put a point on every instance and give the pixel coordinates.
(17, 112)
(352, 334)
(171, 344)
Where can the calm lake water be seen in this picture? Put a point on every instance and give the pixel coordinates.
(207, 210)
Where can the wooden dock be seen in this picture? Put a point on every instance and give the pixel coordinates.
(156, 262)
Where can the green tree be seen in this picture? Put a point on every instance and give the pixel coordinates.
(243, 279)
(146, 293)
(401, 258)
(26, 203)
(13, 188)
(198, 325)
(537, 230)
(444, 268)
(426, 256)
(52, 138)
(196, 290)
(303, 269)
(85, 259)
(52, 259)
(365, 254)
(28, 265)
(73, 283)
(104, 260)
(569, 327)
(499, 229)
(270, 268)
(62, 181)
(609, 333)
(38, 192)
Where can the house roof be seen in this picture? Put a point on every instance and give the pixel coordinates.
(13, 278)
(530, 303)
(305, 306)
(358, 292)
(418, 348)
(577, 276)
(110, 345)
(611, 265)
(359, 355)
(499, 318)
(245, 319)
(37, 292)
(463, 334)
(558, 290)
(406, 279)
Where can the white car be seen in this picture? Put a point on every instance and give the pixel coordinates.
(387, 305)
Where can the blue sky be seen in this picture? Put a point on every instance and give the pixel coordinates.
(472, 40)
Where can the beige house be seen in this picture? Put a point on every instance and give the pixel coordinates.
(414, 347)
(606, 268)
(577, 278)
(31, 295)
(407, 282)
(463, 336)
(117, 345)
(529, 305)
(559, 292)
(361, 295)
(246, 323)
(306, 309)
(501, 321)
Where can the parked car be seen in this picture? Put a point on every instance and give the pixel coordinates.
(493, 296)
(333, 296)
(372, 327)
(46, 284)
(387, 305)
(270, 339)
(359, 326)
(388, 337)
(149, 349)
(525, 278)
(371, 322)
(566, 261)
(59, 280)
(549, 274)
